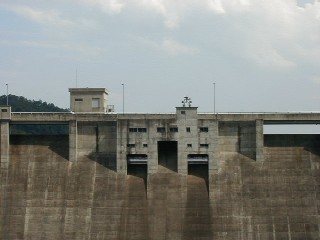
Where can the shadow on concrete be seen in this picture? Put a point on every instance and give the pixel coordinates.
(139, 171)
(168, 155)
(197, 220)
(107, 160)
(240, 136)
(134, 213)
(200, 171)
(310, 142)
(57, 143)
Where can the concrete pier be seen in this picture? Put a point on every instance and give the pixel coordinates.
(4, 156)
(5, 117)
(259, 140)
(73, 140)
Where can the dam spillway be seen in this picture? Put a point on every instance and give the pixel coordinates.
(50, 192)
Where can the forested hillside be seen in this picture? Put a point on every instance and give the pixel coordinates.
(22, 104)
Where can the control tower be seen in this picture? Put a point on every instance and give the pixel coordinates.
(89, 99)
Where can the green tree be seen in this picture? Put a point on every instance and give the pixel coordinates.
(22, 104)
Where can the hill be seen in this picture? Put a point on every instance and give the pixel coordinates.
(22, 104)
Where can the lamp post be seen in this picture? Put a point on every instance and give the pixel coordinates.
(7, 94)
(214, 97)
(122, 97)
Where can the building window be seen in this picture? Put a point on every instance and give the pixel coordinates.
(78, 99)
(204, 145)
(131, 145)
(204, 129)
(4, 110)
(137, 130)
(189, 145)
(133, 129)
(145, 145)
(188, 129)
(161, 129)
(183, 112)
(173, 129)
(95, 102)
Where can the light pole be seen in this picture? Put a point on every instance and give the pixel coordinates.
(7, 94)
(214, 97)
(122, 97)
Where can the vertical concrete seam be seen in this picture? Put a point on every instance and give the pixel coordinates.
(289, 231)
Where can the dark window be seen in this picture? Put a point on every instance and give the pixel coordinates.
(161, 129)
(78, 100)
(142, 130)
(4, 110)
(204, 129)
(183, 112)
(205, 145)
(145, 145)
(137, 130)
(189, 145)
(174, 129)
(188, 129)
(131, 145)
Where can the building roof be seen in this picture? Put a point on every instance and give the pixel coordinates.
(81, 90)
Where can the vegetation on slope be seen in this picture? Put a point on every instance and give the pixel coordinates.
(22, 104)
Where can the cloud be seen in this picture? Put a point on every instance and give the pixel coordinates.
(108, 6)
(73, 47)
(271, 34)
(53, 18)
(216, 6)
(270, 57)
(169, 46)
(7, 74)
(316, 79)
(171, 11)
(176, 48)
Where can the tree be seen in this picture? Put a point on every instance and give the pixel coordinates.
(22, 104)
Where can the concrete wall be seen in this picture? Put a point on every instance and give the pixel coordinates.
(189, 137)
(98, 141)
(77, 187)
(45, 196)
(82, 99)
(238, 137)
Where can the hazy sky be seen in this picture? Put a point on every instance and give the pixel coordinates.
(263, 55)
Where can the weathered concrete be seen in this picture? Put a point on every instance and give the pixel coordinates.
(259, 140)
(73, 141)
(80, 186)
(88, 99)
(4, 154)
(270, 118)
(46, 196)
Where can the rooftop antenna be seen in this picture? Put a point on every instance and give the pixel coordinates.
(186, 101)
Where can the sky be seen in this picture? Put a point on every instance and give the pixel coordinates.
(263, 56)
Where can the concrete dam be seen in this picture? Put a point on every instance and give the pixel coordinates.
(183, 176)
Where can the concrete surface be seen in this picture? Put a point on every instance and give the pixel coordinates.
(80, 186)
(45, 196)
